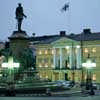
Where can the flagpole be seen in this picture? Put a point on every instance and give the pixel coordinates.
(69, 19)
(65, 8)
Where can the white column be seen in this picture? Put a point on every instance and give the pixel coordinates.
(78, 57)
(70, 57)
(54, 57)
(61, 58)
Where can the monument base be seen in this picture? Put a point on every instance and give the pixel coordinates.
(19, 34)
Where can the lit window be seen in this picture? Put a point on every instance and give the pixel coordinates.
(68, 65)
(94, 50)
(40, 52)
(53, 51)
(52, 65)
(85, 76)
(94, 77)
(67, 47)
(40, 76)
(86, 50)
(46, 65)
(76, 51)
(46, 52)
(40, 65)
(46, 77)
(78, 46)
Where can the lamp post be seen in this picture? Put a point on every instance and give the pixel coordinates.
(10, 82)
(89, 65)
(10, 65)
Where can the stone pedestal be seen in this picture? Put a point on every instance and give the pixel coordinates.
(18, 42)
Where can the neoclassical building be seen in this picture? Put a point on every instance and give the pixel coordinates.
(60, 57)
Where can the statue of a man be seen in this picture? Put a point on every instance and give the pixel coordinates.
(19, 15)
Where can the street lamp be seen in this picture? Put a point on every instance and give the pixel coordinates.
(89, 65)
(10, 82)
(10, 65)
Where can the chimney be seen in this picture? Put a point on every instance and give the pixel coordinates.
(62, 33)
(87, 31)
(33, 34)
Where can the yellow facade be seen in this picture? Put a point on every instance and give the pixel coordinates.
(93, 48)
(45, 59)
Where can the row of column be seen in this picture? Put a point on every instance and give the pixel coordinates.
(72, 57)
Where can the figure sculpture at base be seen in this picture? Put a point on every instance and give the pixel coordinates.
(19, 16)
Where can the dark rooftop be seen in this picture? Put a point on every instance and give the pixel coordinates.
(86, 35)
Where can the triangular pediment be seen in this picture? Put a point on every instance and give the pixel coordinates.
(64, 41)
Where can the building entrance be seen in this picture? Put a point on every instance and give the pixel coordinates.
(66, 76)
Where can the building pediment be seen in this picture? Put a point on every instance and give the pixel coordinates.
(64, 41)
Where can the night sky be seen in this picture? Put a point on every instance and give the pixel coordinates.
(44, 17)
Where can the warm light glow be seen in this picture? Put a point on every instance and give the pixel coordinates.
(53, 66)
(40, 52)
(40, 65)
(40, 76)
(67, 47)
(89, 64)
(53, 51)
(94, 50)
(46, 52)
(86, 50)
(94, 77)
(85, 76)
(78, 46)
(68, 65)
(46, 65)
(46, 76)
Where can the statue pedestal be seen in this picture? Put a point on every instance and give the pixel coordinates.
(18, 41)
(18, 34)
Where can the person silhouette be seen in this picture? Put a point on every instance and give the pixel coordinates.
(19, 16)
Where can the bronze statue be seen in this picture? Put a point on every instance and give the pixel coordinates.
(19, 16)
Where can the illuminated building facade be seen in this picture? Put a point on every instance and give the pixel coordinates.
(60, 57)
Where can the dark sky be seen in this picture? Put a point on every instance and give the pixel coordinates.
(44, 16)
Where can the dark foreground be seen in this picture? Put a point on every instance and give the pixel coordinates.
(51, 98)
